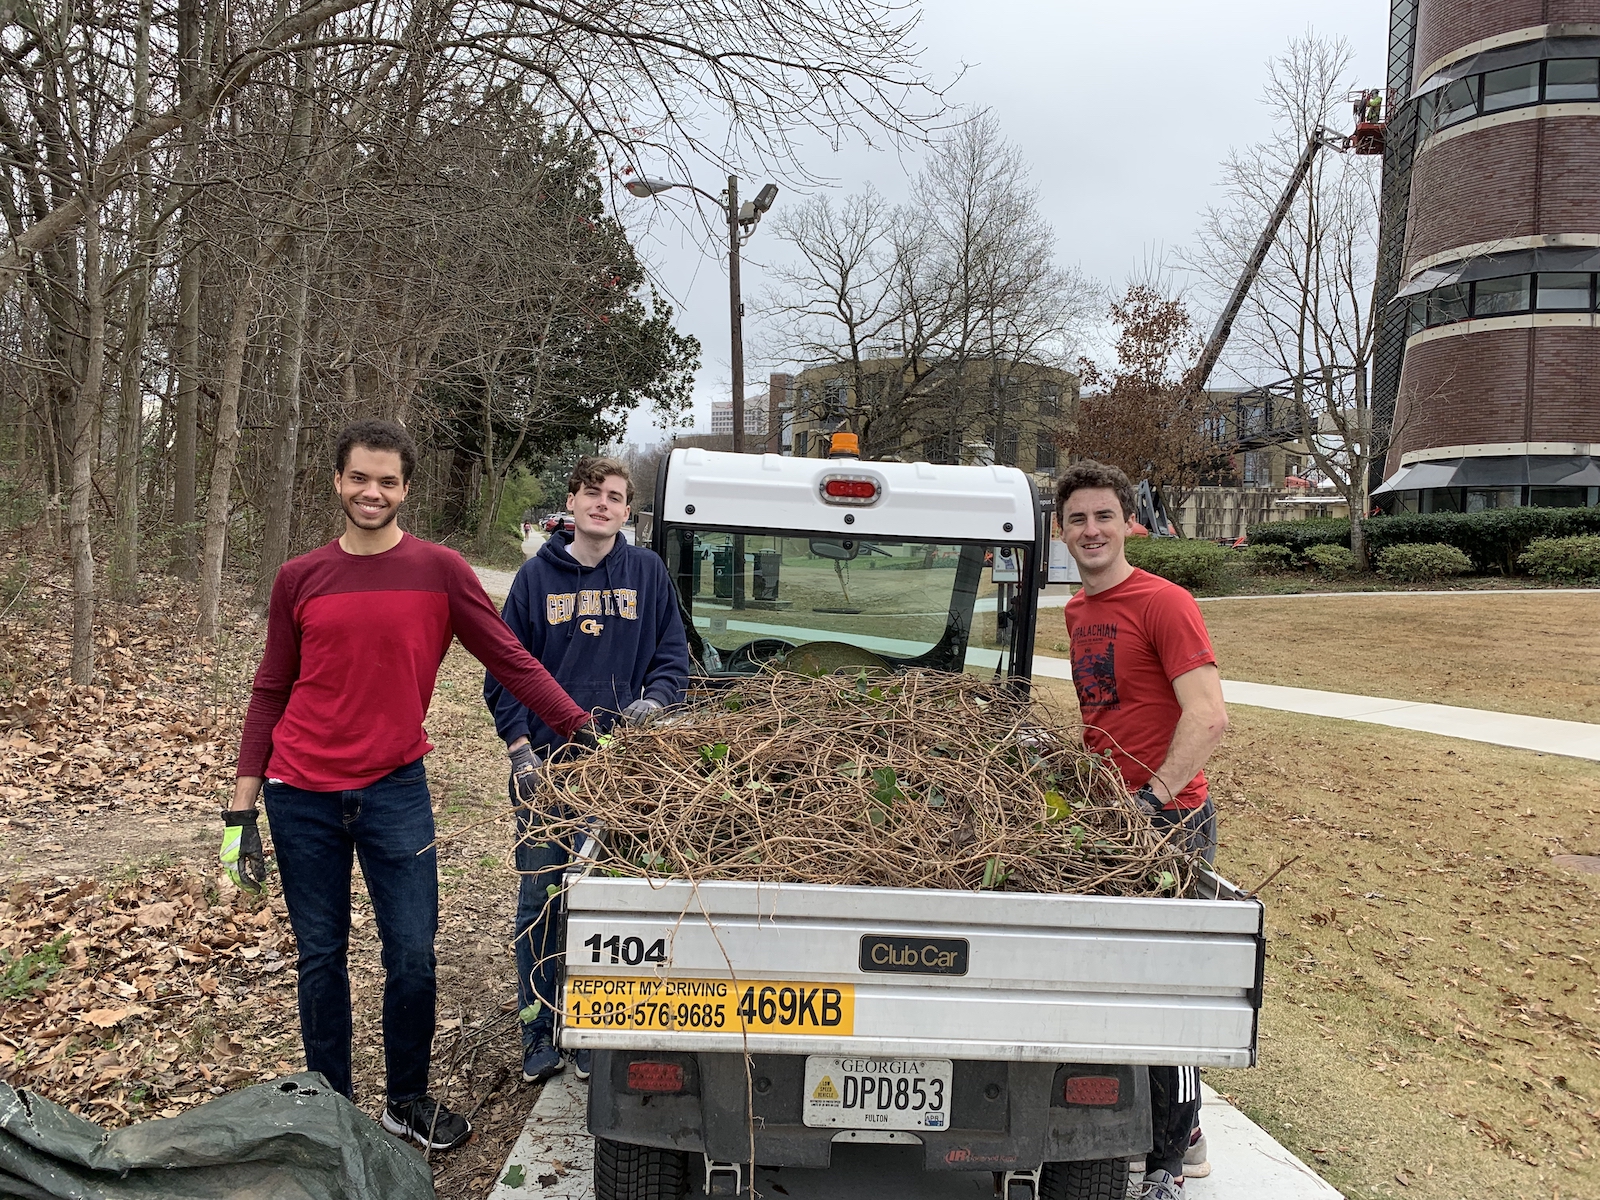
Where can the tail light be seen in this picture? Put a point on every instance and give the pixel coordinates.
(849, 489)
(656, 1077)
(1097, 1090)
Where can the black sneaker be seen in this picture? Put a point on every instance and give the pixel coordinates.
(428, 1123)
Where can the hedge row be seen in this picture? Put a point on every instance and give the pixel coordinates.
(1188, 562)
(1494, 540)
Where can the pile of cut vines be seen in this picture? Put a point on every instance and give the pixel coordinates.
(925, 780)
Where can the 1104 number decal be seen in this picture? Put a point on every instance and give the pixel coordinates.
(629, 950)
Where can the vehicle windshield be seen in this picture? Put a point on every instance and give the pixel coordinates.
(822, 605)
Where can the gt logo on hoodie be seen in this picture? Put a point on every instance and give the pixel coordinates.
(561, 607)
(590, 626)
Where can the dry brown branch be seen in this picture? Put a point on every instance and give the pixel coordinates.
(923, 780)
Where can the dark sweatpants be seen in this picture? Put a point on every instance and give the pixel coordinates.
(1175, 1091)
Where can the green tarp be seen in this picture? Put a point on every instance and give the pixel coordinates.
(294, 1139)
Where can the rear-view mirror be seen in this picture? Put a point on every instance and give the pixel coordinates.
(842, 551)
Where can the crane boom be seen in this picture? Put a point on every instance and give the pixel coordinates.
(1320, 138)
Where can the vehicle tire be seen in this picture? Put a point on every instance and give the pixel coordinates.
(623, 1171)
(1097, 1179)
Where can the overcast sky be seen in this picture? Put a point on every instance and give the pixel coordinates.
(1125, 111)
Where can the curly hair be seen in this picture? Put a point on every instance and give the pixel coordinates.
(1091, 474)
(377, 434)
(593, 470)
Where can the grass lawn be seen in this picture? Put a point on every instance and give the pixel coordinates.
(1533, 654)
(1432, 1017)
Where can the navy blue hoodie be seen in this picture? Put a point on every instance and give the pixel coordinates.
(610, 634)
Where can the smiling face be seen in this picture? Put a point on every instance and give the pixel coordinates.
(1094, 528)
(371, 487)
(600, 509)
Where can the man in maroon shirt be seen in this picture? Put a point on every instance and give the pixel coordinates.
(333, 740)
(1151, 697)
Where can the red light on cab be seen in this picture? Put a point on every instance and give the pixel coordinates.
(1101, 1090)
(656, 1077)
(849, 489)
(852, 489)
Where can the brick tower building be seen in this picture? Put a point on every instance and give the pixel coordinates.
(1490, 348)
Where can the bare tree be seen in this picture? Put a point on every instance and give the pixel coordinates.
(957, 292)
(1309, 319)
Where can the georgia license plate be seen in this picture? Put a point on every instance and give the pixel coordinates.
(877, 1093)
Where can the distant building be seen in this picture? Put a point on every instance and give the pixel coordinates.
(755, 417)
(1487, 360)
(1012, 417)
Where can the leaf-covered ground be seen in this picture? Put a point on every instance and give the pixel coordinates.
(135, 980)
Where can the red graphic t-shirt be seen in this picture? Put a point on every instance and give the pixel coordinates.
(1129, 643)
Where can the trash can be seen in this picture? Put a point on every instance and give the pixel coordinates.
(722, 572)
(766, 581)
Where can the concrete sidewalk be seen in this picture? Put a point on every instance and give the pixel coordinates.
(1056, 595)
(1574, 739)
(554, 1160)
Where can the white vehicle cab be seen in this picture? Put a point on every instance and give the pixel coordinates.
(998, 1031)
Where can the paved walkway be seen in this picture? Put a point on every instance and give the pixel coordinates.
(554, 1160)
(1574, 739)
(1057, 595)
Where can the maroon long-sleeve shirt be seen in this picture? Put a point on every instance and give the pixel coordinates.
(354, 644)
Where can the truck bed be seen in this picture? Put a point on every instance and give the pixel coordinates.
(726, 966)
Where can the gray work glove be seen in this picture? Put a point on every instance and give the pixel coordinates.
(640, 709)
(1146, 799)
(524, 774)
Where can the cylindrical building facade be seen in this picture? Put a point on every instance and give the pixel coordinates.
(1498, 402)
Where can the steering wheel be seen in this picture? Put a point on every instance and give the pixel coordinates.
(750, 657)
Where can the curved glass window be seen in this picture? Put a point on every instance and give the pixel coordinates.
(1496, 297)
(1545, 291)
(1555, 81)
(1511, 88)
(1449, 304)
(1572, 79)
(1564, 291)
(1459, 101)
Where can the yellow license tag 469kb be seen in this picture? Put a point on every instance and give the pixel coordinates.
(711, 1005)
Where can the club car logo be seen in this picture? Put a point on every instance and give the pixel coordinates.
(914, 956)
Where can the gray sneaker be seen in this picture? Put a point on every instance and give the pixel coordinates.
(1160, 1185)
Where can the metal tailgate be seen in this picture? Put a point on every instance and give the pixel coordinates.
(809, 969)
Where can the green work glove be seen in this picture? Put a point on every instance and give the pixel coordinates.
(241, 849)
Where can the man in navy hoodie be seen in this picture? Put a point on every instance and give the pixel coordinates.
(602, 616)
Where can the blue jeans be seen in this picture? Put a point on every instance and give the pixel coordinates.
(385, 824)
(538, 926)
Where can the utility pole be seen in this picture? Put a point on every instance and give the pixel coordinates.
(744, 218)
(735, 316)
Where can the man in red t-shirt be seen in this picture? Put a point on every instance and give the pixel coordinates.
(1151, 697)
(333, 739)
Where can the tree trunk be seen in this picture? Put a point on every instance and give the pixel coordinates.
(84, 409)
(130, 413)
(285, 438)
(186, 421)
(224, 453)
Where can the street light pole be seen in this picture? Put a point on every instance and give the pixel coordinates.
(739, 221)
(735, 316)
